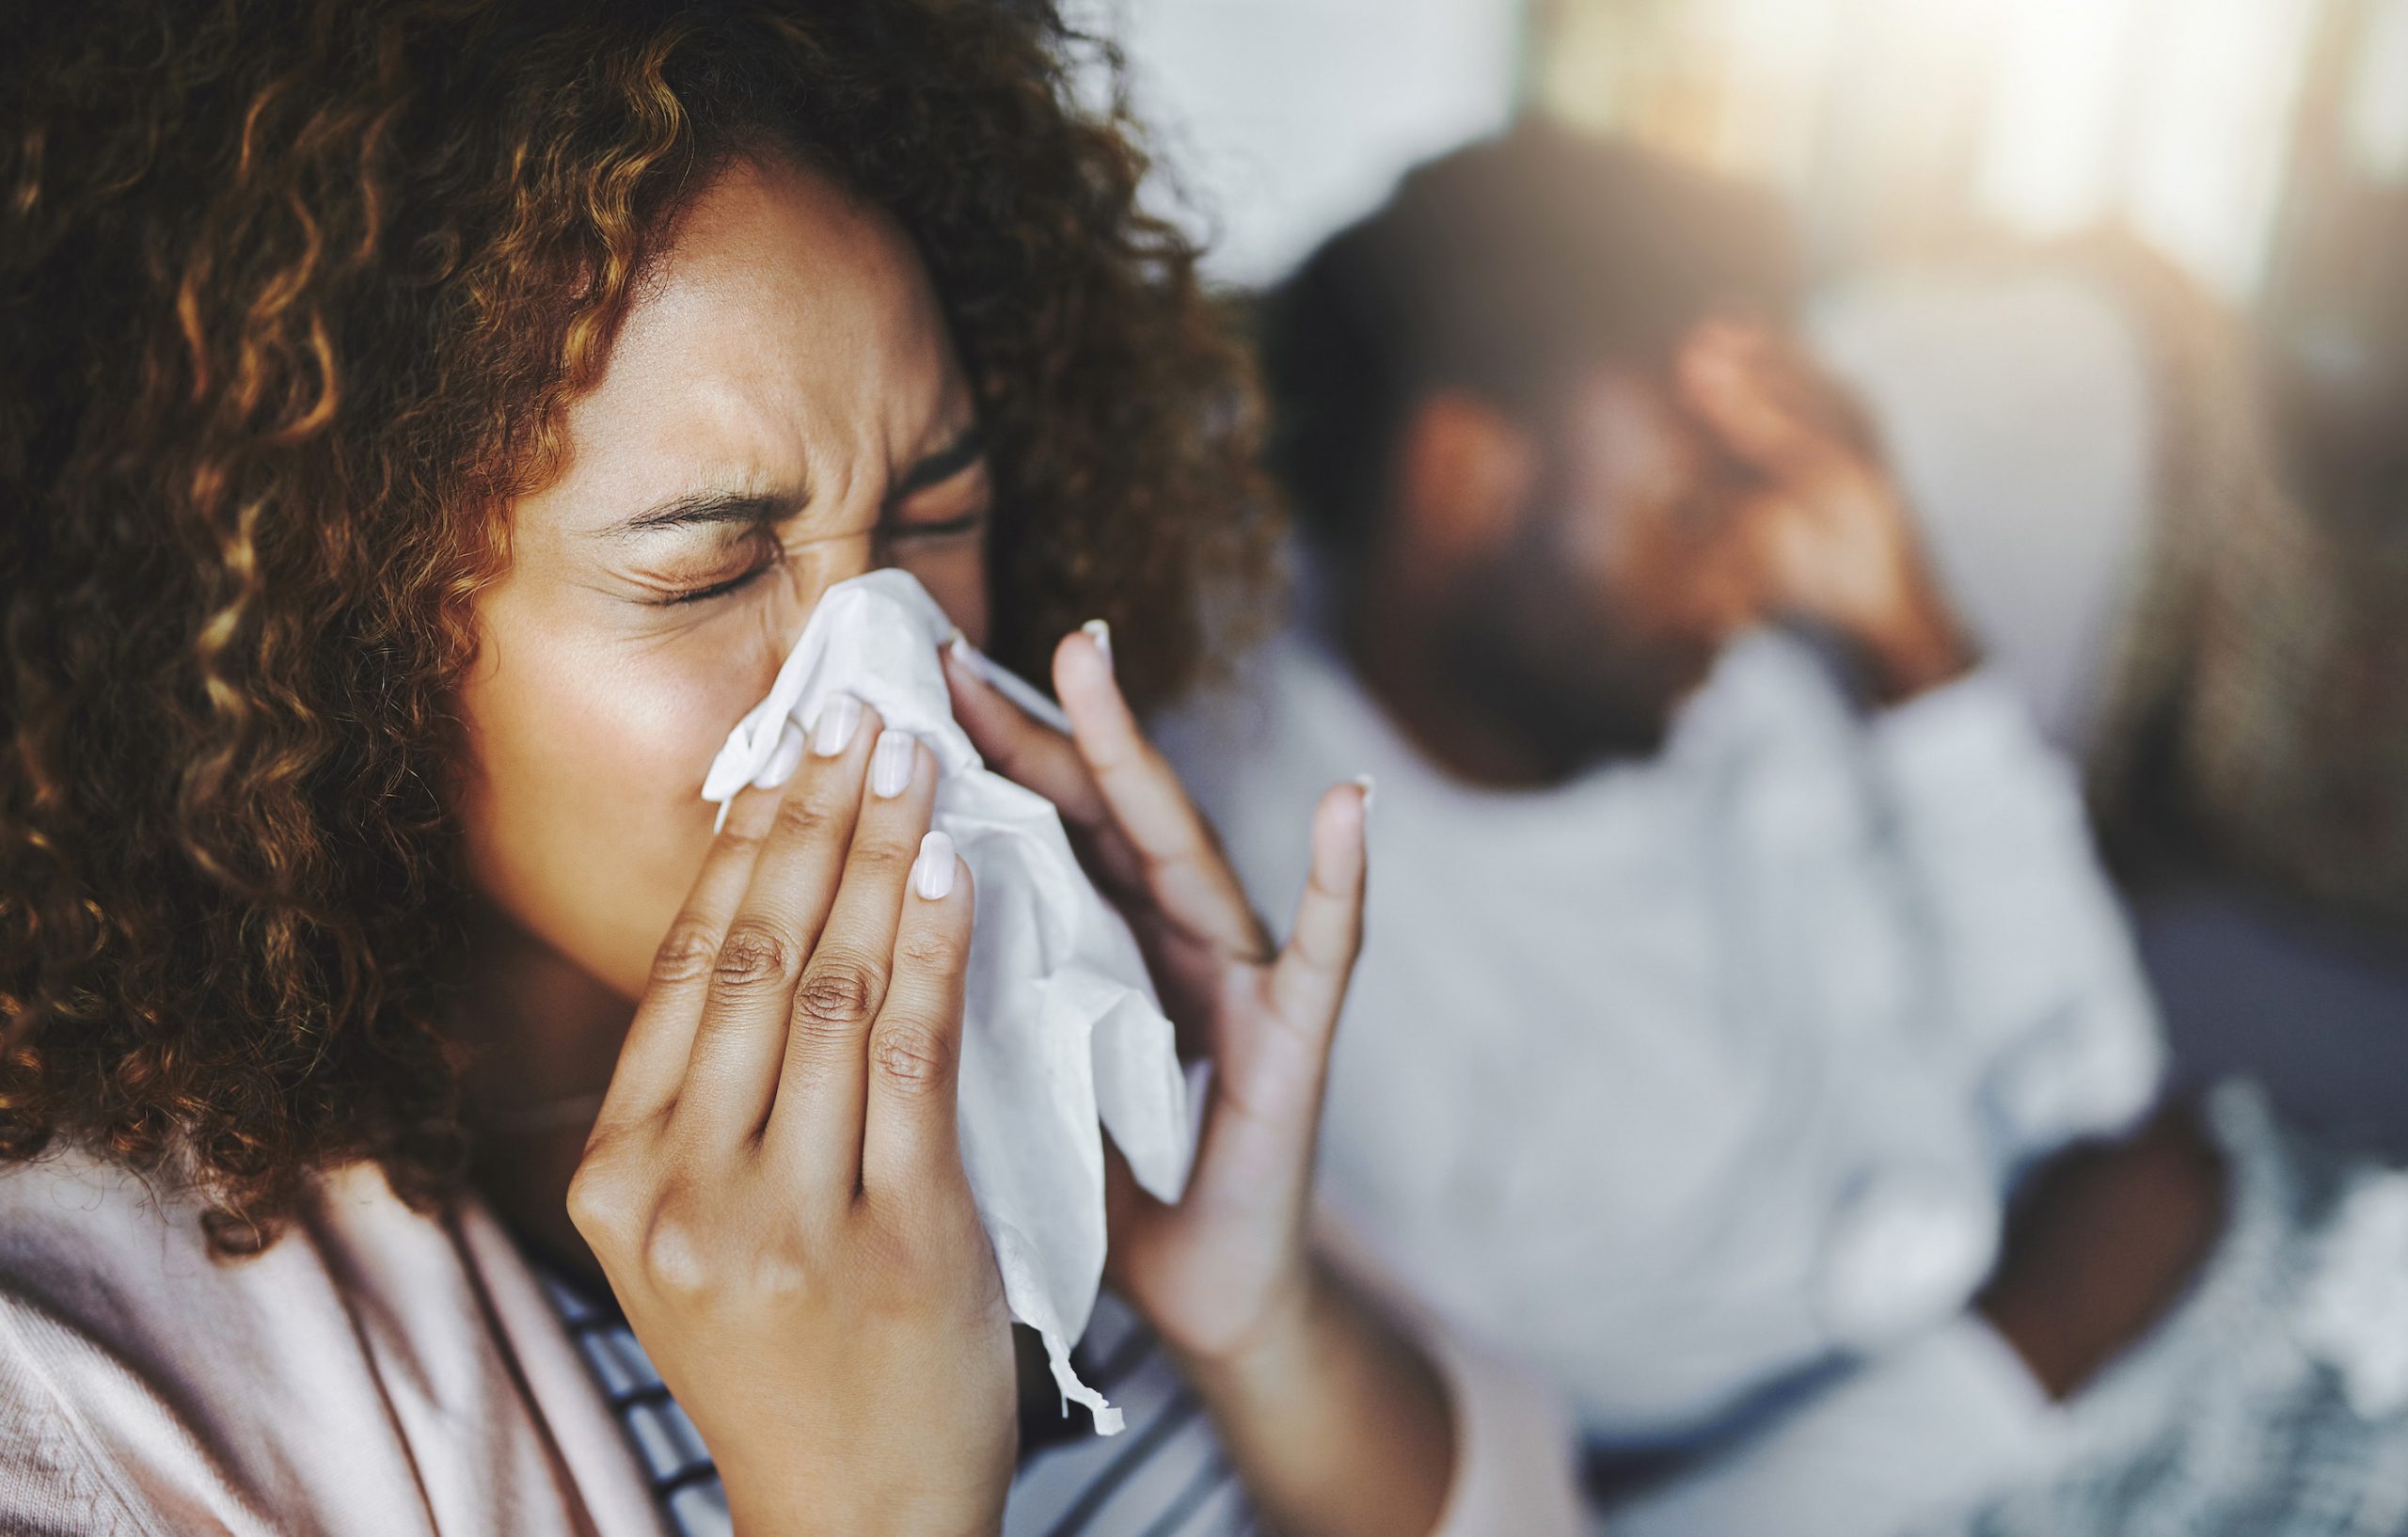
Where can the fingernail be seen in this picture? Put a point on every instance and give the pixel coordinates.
(958, 647)
(890, 764)
(839, 717)
(1370, 788)
(1102, 635)
(782, 758)
(932, 872)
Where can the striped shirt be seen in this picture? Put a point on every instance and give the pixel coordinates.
(1164, 1476)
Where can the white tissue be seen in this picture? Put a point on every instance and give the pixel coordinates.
(1062, 1026)
(2353, 1314)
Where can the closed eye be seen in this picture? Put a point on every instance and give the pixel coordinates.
(718, 589)
(896, 531)
(939, 529)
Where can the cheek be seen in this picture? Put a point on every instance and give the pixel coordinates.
(583, 812)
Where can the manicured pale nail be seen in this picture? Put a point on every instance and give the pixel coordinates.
(890, 763)
(839, 717)
(1101, 633)
(932, 872)
(782, 759)
(973, 661)
(1370, 788)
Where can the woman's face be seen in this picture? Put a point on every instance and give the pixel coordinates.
(781, 410)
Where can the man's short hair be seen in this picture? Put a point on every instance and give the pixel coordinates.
(1504, 269)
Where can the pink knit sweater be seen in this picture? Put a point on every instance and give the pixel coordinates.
(380, 1372)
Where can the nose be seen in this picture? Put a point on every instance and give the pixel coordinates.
(787, 610)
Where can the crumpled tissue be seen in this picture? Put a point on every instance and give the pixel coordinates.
(2353, 1313)
(1062, 1026)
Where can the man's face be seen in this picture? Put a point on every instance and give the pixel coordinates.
(1602, 602)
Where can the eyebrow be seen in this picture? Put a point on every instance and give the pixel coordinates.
(965, 449)
(705, 508)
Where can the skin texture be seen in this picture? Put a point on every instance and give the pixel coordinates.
(771, 1184)
(1545, 597)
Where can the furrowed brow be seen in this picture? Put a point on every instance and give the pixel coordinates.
(705, 508)
(941, 465)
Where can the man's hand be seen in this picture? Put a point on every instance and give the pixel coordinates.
(1823, 525)
(2101, 1244)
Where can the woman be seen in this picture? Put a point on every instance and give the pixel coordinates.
(427, 426)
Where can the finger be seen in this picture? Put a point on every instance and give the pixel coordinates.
(1031, 752)
(1737, 577)
(909, 1139)
(1728, 379)
(1812, 393)
(1127, 1210)
(1022, 748)
(816, 1122)
(1308, 980)
(1264, 1116)
(652, 1060)
(731, 1077)
(1185, 870)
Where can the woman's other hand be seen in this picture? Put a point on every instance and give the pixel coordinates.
(1338, 1423)
(774, 1186)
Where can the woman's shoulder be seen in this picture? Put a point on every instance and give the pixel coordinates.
(175, 1387)
(106, 1298)
(84, 1235)
(125, 1250)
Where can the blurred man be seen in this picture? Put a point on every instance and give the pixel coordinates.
(1735, 944)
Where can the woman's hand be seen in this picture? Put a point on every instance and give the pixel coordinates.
(1231, 1258)
(1339, 1424)
(774, 1185)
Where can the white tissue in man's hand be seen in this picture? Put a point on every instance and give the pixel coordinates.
(1062, 1026)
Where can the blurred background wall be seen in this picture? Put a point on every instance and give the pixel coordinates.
(2262, 144)
(1898, 120)
(1285, 118)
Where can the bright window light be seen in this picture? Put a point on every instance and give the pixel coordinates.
(2212, 128)
(2056, 110)
(2379, 96)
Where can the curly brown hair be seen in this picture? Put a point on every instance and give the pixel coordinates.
(293, 294)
